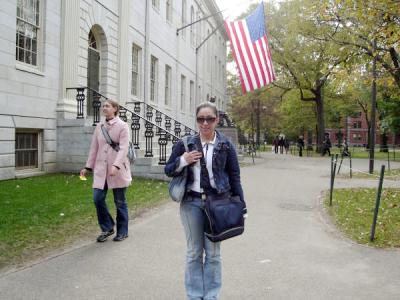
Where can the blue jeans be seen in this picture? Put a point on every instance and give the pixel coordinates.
(202, 276)
(105, 220)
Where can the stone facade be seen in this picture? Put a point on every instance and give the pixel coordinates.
(35, 99)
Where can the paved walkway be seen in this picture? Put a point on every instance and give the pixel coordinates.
(289, 250)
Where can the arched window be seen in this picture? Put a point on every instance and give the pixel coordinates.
(93, 70)
(92, 40)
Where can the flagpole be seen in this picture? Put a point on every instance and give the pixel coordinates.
(205, 40)
(199, 20)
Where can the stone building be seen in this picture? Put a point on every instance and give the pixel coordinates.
(126, 50)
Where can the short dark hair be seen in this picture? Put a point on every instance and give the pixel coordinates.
(207, 105)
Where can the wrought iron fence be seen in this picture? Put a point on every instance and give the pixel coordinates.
(143, 116)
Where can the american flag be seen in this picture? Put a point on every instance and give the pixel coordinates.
(249, 44)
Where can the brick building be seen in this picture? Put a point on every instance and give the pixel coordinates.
(355, 130)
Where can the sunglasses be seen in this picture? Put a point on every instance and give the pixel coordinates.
(209, 120)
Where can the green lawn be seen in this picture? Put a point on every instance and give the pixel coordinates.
(352, 211)
(41, 214)
(393, 174)
(356, 152)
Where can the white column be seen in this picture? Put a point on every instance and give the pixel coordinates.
(66, 107)
(123, 51)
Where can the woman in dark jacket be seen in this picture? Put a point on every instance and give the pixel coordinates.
(203, 276)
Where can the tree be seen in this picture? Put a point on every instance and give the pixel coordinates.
(358, 23)
(245, 109)
(303, 63)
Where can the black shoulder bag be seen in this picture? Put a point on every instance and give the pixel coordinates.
(224, 213)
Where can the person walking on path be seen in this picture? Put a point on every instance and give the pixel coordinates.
(300, 145)
(203, 278)
(286, 143)
(281, 143)
(276, 144)
(111, 170)
(326, 145)
(345, 149)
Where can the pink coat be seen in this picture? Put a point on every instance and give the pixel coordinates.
(102, 156)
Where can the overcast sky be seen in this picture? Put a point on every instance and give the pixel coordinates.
(234, 7)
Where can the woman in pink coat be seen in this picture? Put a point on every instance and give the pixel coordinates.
(111, 170)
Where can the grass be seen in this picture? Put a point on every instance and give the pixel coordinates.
(393, 174)
(41, 214)
(352, 211)
(356, 152)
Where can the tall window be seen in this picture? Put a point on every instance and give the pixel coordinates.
(136, 62)
(26, 150)
(191, 96)
(183, 92)
(167, 85)
(153, 78)
(184, 17)
(208, 52)
(198, 28)
(169, 10)
(156, 4)
(357, 137)
(191, 27)
(357, 124)
(215, 68)
(28, 17)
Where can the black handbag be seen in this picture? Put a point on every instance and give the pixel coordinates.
(224, 217)
(224, 213)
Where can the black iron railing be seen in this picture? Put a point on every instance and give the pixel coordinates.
(154, 122)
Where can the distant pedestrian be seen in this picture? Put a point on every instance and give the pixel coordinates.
(281, 143)
(111, 170)
(345, 149)
(326, 145)
(276, 144)
(300, 145)
(286, 144)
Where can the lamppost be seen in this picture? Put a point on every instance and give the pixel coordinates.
(258, 122)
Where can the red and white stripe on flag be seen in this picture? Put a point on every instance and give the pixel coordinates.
(252, 55)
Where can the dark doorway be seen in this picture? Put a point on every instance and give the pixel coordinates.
(93, 72)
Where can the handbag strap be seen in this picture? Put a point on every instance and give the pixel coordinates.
(184, 140)
(108, 138)
(204, 176)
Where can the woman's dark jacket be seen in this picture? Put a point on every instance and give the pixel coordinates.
(225, 164)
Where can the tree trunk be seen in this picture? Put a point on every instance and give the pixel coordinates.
(319, 102)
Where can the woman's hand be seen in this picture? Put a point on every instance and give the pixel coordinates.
(192, 156)
(114, 171)
(83, 172)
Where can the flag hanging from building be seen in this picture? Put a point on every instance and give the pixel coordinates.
(249, 44)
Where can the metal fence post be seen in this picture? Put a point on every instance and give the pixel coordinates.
(377, 203)
(340, 165)
(331, 187)
(351, 167)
